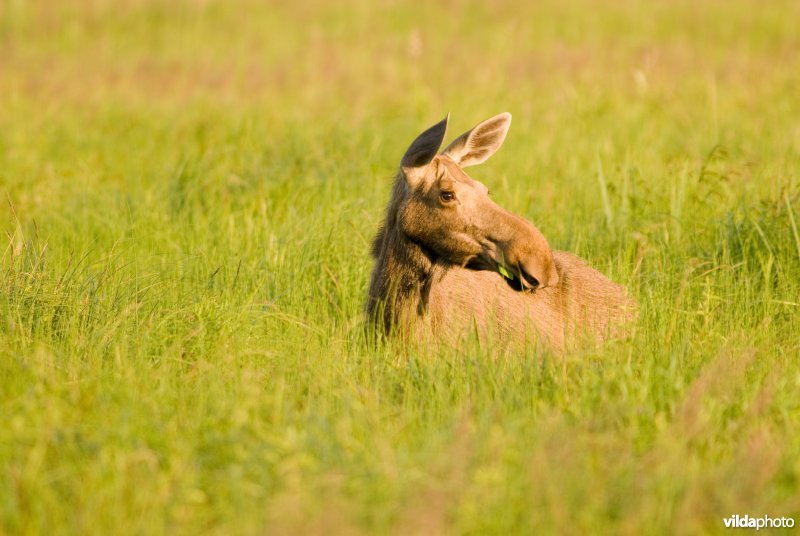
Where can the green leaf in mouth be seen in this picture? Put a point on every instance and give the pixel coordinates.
(504, 272)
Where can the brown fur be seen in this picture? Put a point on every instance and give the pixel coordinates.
(436, 259)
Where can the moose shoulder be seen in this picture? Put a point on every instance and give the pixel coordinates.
(448, 259)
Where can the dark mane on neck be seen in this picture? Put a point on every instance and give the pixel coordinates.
(402, 266)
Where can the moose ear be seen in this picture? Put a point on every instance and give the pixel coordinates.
(477, 145)
(425, 147)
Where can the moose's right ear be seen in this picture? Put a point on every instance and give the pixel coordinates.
(475, 146)
(425, 147)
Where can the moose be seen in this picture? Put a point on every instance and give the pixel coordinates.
(449, 260)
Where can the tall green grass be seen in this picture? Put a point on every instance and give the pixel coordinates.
(189, 193)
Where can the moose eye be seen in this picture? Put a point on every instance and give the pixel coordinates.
(447, 196)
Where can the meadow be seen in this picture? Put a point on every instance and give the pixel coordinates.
(189, 192)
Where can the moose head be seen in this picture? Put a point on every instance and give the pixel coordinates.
(452, 216)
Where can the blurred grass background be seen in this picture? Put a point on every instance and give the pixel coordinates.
(189, 192)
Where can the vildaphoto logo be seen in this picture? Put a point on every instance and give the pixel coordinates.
(746, 522)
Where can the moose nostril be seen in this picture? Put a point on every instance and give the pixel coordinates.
(532, 281)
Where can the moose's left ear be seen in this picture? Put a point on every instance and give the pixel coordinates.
(477, 145)
(424, 148)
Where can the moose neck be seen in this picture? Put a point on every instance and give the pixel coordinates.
(401, 277)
